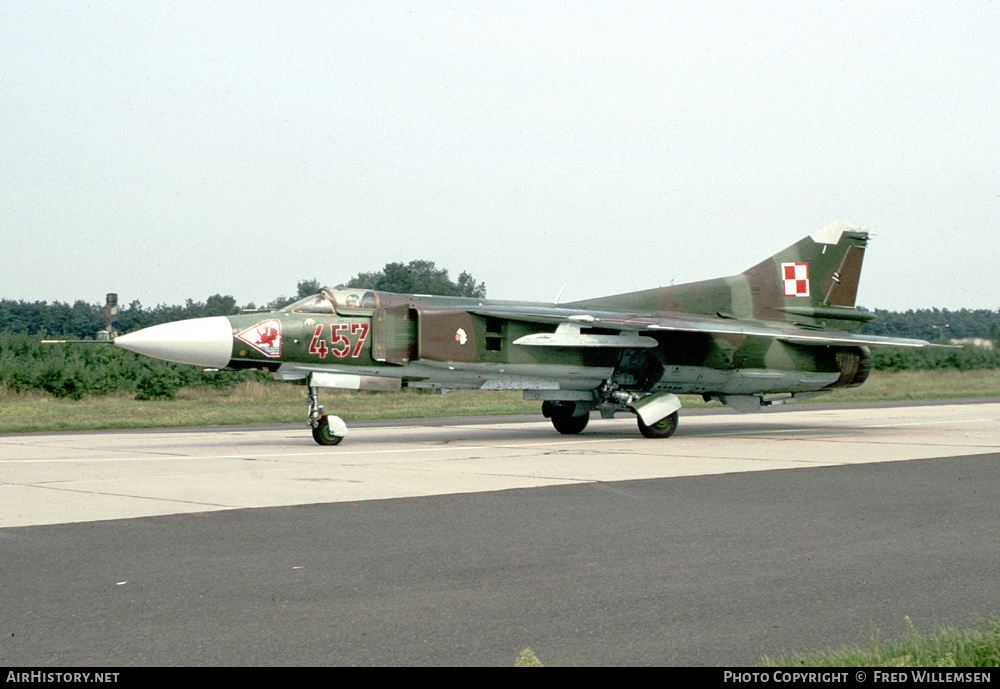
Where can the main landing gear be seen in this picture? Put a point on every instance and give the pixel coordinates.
(326, 429)
(664, 428)
(567, 417)
(656, 414)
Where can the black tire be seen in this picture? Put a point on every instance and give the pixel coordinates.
(664, 428)
(322, 434)
(570, 425)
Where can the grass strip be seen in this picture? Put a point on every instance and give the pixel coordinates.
(942, 647)
(273, 402)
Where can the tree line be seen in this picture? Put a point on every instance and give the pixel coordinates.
(82, 320)
(936, 325)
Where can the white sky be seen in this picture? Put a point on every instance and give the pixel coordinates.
(174, 150)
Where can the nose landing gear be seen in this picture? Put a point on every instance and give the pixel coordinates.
(326, 429)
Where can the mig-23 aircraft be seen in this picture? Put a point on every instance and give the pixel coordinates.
(778, 332)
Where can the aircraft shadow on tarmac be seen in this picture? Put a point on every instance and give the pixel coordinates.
(445, 431)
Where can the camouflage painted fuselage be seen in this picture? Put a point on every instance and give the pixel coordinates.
(764, 331)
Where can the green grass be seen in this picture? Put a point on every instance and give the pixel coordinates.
(946, 383)
(272, 402)
(246, 403)
(527, 659)
(942, 647)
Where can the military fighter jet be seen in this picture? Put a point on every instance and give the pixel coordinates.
(779, 332)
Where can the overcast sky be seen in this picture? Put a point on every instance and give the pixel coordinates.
(174, 150)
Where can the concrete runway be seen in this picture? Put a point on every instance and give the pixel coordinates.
(603, 548)
(73, 477)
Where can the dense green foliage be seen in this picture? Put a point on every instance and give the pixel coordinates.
(936, 325)
(941, 326)
(83, 320)
(97, 369)
(419, 277)
(964, 358)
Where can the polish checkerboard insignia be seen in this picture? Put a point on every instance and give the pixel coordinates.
(796, 279)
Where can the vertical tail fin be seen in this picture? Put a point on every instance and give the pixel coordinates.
(814, 280)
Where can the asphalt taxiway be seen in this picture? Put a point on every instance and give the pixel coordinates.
(450, 542)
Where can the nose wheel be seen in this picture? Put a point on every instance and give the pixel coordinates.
(326, 429)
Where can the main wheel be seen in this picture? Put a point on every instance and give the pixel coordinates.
(664, 428)
(570, 425)
(325, 435)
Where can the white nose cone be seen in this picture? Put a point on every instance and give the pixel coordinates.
(200, 341)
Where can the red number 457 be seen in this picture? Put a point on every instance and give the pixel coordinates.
(340, 343)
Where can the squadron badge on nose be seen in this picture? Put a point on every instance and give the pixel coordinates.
(265, 337)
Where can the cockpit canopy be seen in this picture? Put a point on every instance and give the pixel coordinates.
(336, 300)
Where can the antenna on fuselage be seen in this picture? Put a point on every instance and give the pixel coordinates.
(560, 292)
